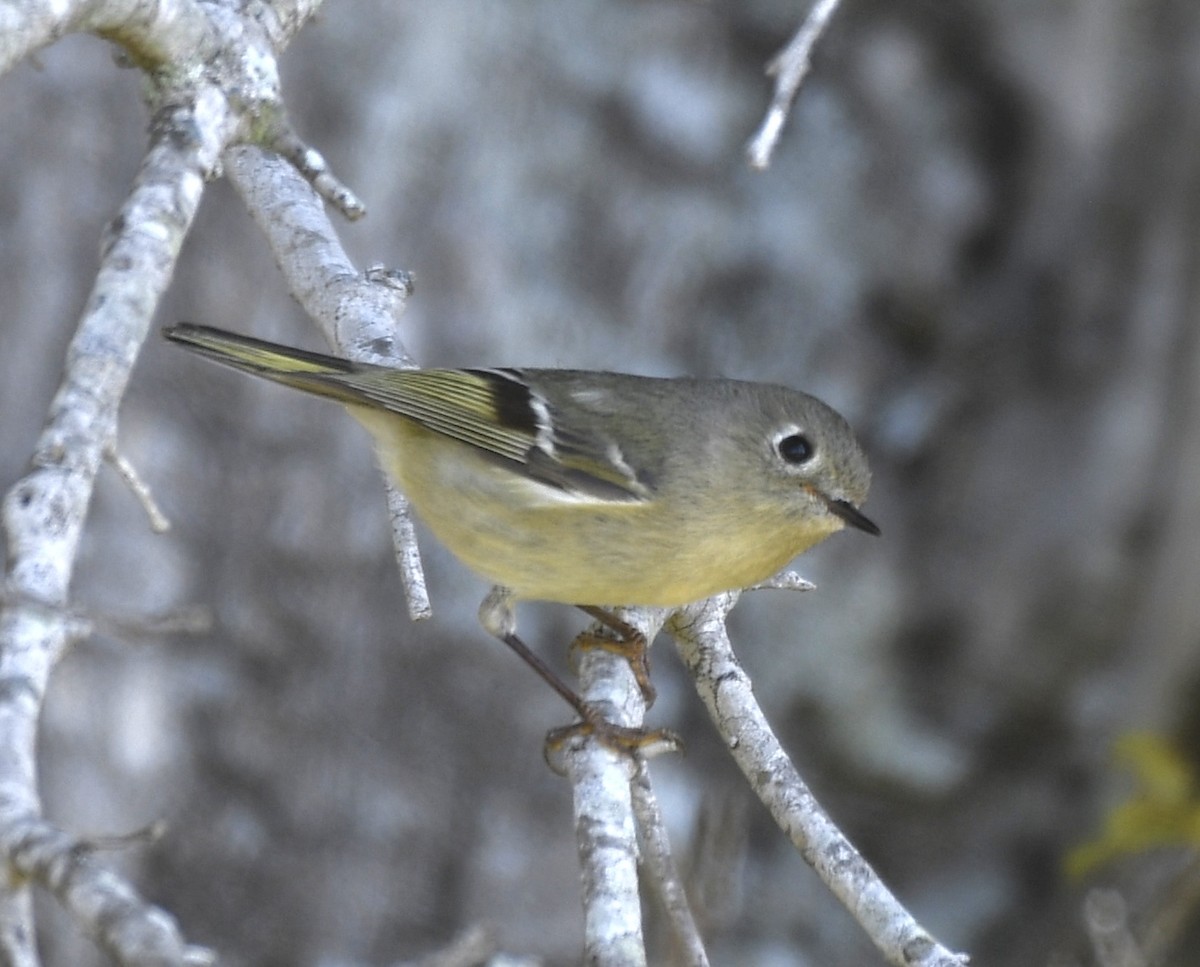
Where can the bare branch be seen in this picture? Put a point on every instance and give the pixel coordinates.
(789, 68)
(125, 470)
(358, 312)
(131, 930)
(604, 829)
(152, 33)
(1107, 920)
(475, 945)
(608, 857)
(661, 871)
(1173, 913)
(784, 581)
(311, 166)
(703, 642)
(44, 512)
(408, 555)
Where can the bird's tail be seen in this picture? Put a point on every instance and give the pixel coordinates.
(306, 371)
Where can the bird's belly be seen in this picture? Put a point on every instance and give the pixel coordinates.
(545, 547)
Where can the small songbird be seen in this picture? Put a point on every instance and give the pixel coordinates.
(589, 488)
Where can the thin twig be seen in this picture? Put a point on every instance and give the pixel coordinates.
(784, 581)
(125, 470)
(408, 555)
(1107, 920)
(662, 871)
(148, 835)
(703, 643)
(313, 168)
(1174, 911)
(44, 514)
(475, 945)
(789, 68)
(358, 312)
(130, 929)
(80, 623)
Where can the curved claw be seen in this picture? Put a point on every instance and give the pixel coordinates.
(629, 644)
(647, 743)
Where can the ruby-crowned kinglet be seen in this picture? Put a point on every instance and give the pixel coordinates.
(591, 488)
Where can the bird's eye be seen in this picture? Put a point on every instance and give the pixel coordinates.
(795, 449)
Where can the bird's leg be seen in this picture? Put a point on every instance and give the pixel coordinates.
(498, 618)
(630, 644)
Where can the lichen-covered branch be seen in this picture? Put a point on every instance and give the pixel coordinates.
(703, 642)
(789, 68)
(194, 120)
(605, 833)
(44, 512)
(662, 873)
(359, 312)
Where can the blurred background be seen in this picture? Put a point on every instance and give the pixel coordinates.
(977, 240)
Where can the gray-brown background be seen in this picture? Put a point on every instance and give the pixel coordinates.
(977, 240)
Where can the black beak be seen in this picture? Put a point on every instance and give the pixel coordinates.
(851, 515)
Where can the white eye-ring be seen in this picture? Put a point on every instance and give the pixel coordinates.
(794, 447)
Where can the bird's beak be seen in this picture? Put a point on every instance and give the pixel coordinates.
(851, 515)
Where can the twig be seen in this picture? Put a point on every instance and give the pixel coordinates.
(312, 167)
(408, 555)
(608, 858)
(703, 642)
(148, 835)
(44, 514)
(80, 623)
(661, 870)
(125, 470)
(789, 68)
(475, 945)
(605, 835)
(784, 581)
(358, 312)
(1107, 920)
(1174, 911)
(607, 846)
(193, 55)
(131, 930)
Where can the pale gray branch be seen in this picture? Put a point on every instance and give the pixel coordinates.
(703, 642)
(1106, 918)
(139, 488)
(784, 581)
(608, 857)
(131, 930)
(151, 32)
(44, 512)
(311, 165)
(662, 873)
(605, 835)
(358, 312)
(789, 68)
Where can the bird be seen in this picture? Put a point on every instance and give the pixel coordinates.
(589, 488)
